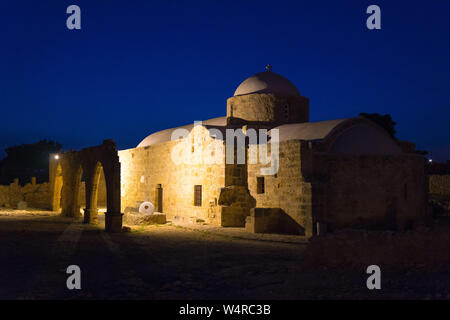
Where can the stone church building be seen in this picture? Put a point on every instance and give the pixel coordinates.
(334, 174)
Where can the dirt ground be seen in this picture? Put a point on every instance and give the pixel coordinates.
(177, 262)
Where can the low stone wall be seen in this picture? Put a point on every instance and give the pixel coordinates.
(35, 195)
(439, 184)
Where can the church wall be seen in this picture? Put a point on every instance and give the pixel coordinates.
(373, 192)
(287, 189)
(143, 169)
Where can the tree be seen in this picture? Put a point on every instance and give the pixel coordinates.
(384, 121)
(27, 160)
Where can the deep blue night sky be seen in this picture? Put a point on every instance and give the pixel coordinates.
(136, 67)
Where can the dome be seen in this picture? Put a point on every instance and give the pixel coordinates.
(355, 136)
(267, 82)
(165, 135)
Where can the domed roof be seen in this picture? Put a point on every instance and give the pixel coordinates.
(267, 82)
(355, 136)
(165, 135)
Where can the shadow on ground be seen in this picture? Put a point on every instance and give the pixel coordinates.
(172, 262)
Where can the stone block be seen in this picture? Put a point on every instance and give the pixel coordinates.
(145, 218)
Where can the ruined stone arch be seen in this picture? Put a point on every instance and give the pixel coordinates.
(76, 203)
(90, 161)
(92, 183)
(94, 191)
(57, 185)
(96, 182)
(68, 169)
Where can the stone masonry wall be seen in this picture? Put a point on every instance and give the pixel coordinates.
(439, 184)
(38, 195)
(372, 192)
(287, 189)
(143, 169)
(35, 195)
(267, 107)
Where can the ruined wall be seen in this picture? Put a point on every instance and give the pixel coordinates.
(4, 196)
(439, 184)
(287, 189)
(373, 192)
(143, 169)
(35, 195)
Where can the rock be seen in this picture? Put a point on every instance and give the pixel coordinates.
(145, 218)
(126, 229)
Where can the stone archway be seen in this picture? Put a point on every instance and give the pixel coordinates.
(65, 176)
(57, 187)
(78, 195)
(89, 162)
(95, 186)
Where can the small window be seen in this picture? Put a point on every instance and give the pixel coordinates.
(286, 112)
(260, 185)
(198, 195)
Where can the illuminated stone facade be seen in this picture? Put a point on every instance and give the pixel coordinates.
(149, 172)
(330, 174)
